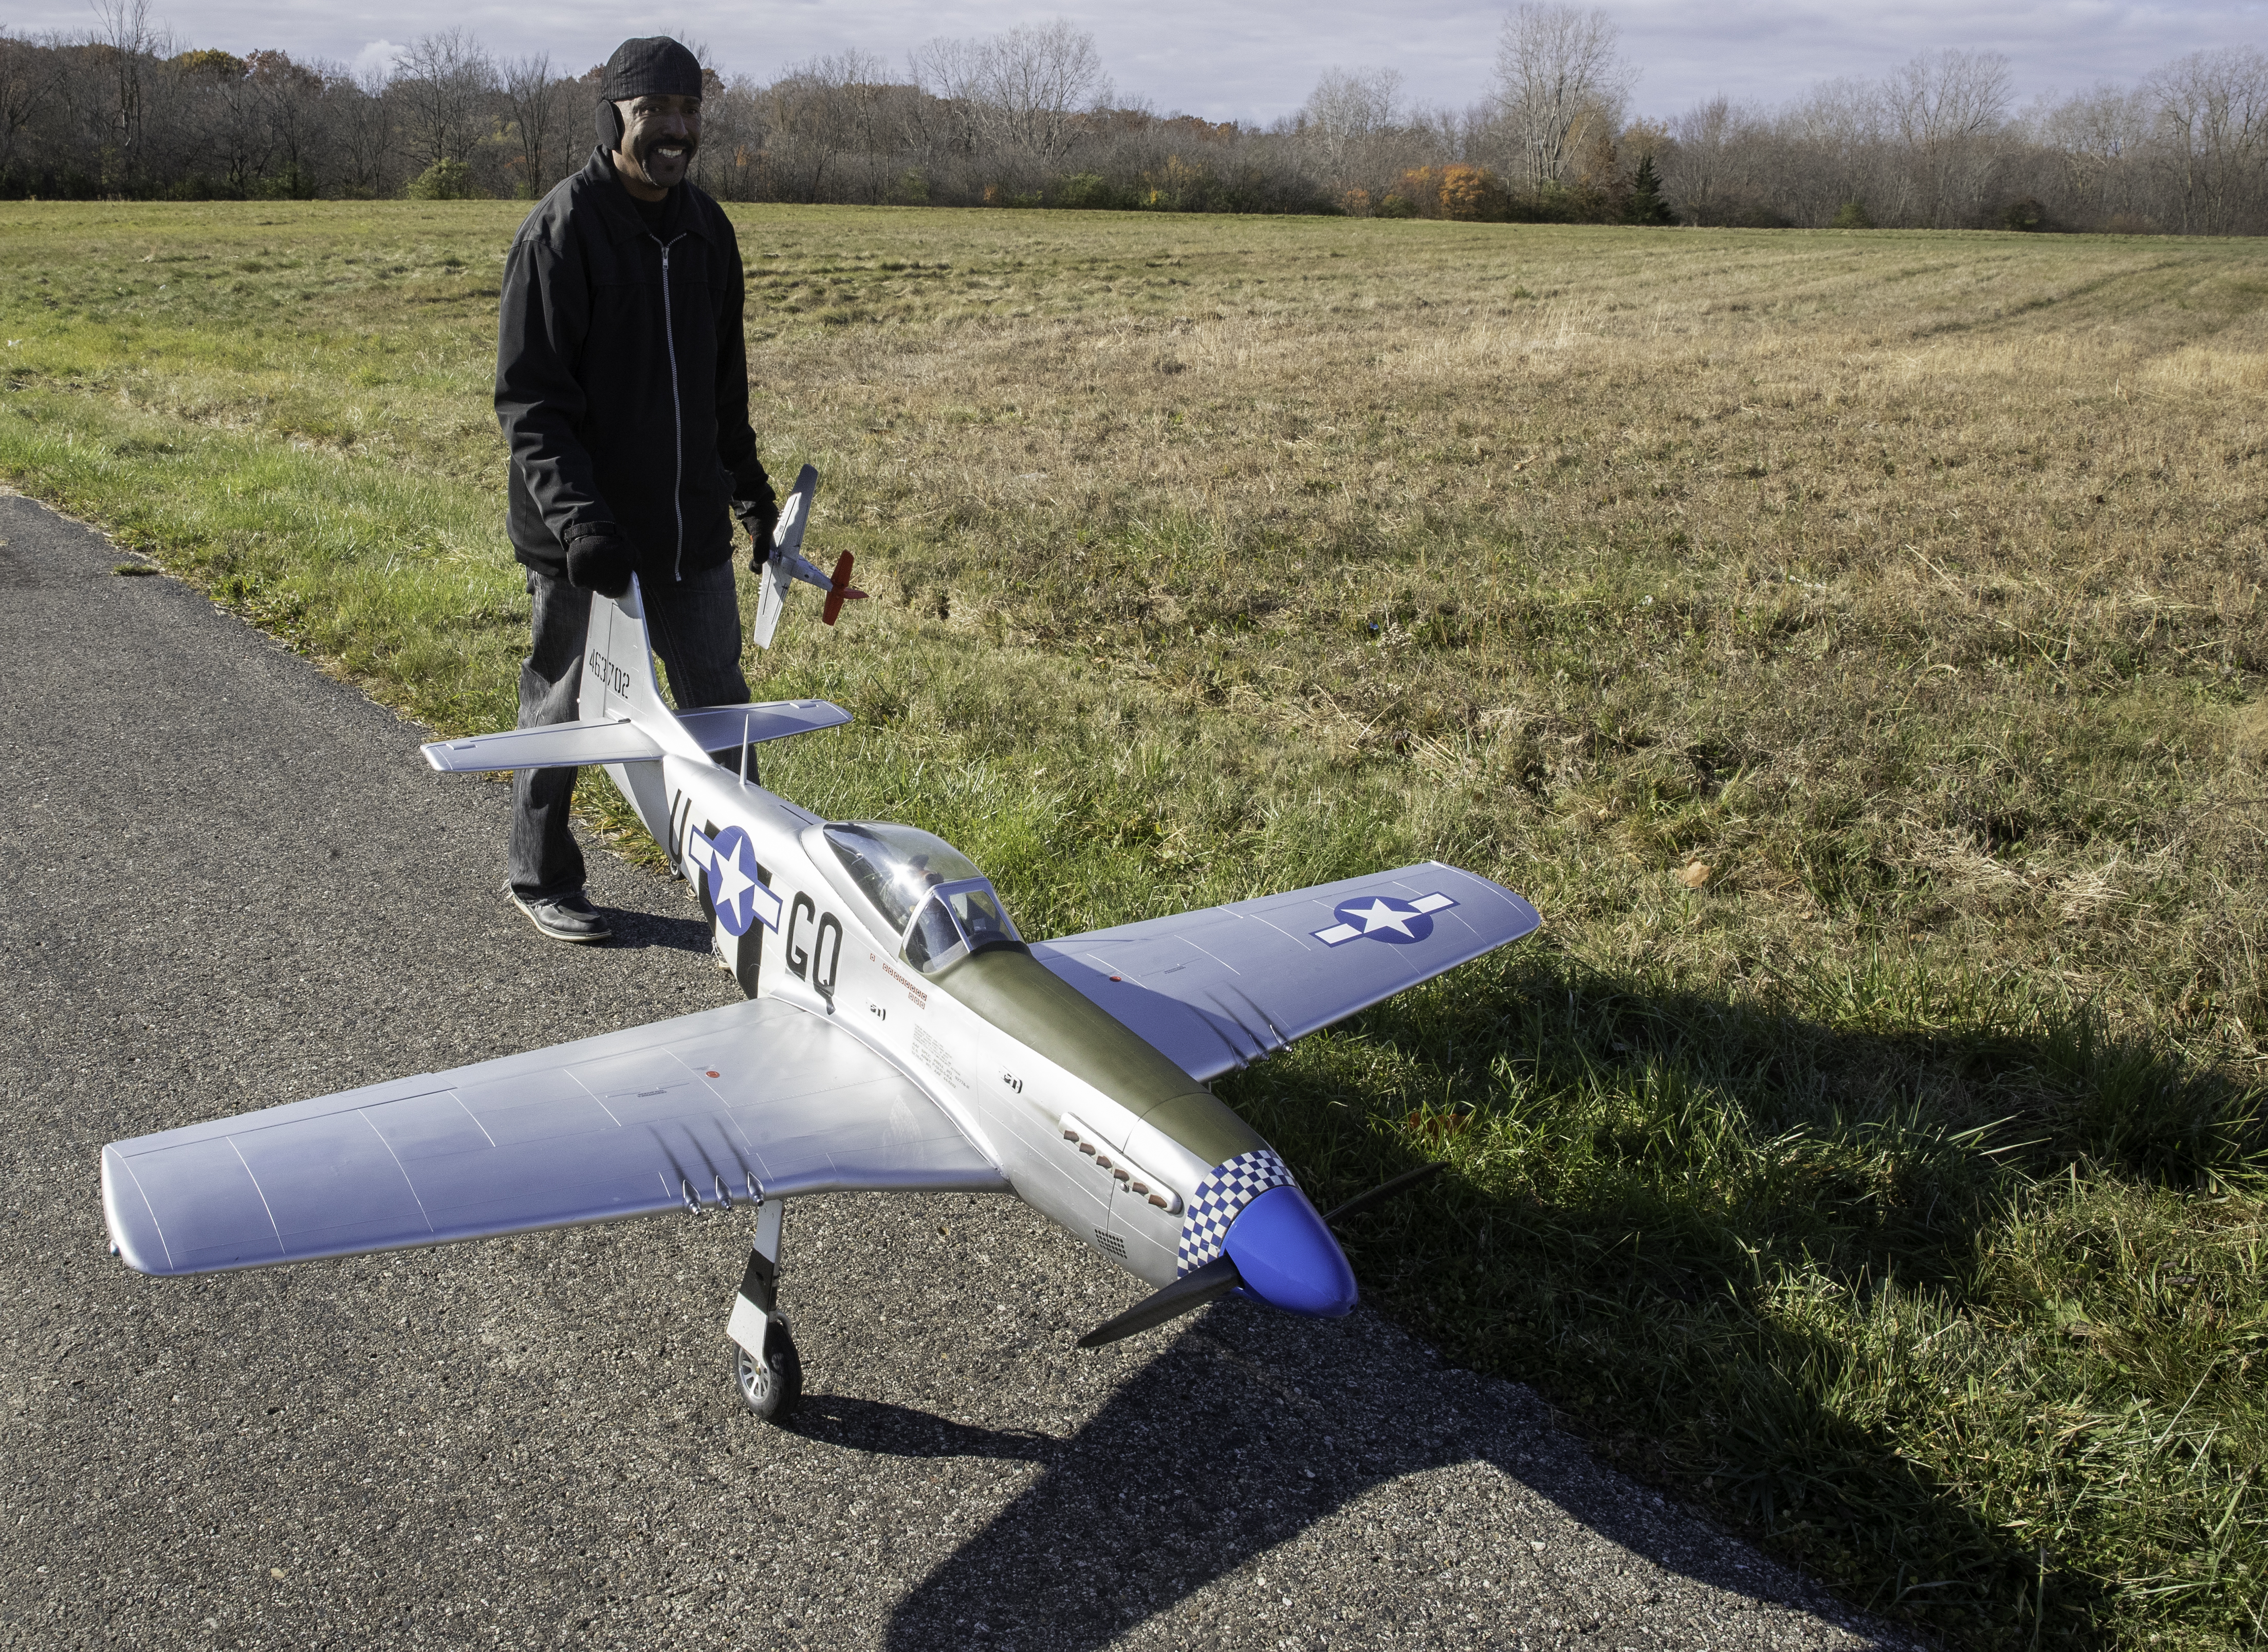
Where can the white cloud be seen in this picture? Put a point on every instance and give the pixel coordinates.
(376, 58)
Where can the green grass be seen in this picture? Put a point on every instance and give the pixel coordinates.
(1895, 1192)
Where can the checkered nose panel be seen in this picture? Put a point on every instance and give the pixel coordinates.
(1220, 1198)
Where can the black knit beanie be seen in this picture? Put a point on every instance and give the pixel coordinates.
(655, 66)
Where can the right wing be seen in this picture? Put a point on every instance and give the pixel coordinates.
(699, 1109)
(1218, 989)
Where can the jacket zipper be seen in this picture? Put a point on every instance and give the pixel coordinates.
(676, 406)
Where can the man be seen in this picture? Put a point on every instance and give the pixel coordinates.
(622, 388)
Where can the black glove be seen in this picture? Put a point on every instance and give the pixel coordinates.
(755, 504)
(602, 560)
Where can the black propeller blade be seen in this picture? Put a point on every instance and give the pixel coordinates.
(1186, 1295)
(1383, 1191)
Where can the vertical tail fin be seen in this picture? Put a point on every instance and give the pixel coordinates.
(618, 678)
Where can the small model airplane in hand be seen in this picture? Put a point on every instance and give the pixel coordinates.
(786, 564)
(899, 1035)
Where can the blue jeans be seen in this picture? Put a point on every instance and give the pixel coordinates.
(695, 623)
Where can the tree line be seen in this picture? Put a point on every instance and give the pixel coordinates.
(1029, 118)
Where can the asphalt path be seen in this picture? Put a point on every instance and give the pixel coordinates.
(231, 882)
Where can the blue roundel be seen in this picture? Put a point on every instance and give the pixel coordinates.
(1382, 918)
(732, 881)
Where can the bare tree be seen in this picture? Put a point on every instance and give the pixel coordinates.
(953, 73)
(2213, 116)
(1344, 115)
(125, 38)
(1023, 91)
(2096, 142)
(29, 74)
(1701, 172)
(443, 84)
(1043, 77)
(361, 122)
(1945, 108)
(231, 132)
(1828, 152)
(1560, 83)
(818, 117)
(287, 98)
(533, 97)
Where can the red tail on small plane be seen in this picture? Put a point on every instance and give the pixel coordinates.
(839, 591)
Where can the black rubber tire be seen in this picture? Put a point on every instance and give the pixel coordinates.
(775, 1398)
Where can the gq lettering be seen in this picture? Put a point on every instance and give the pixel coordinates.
(808, 965)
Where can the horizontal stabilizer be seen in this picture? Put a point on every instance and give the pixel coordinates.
(618, 740)
(716, 726)
(555, 745)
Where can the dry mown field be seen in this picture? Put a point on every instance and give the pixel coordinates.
(1890, 1179)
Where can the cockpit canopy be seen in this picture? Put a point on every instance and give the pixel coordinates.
(925, 890)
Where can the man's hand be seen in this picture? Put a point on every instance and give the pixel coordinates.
(602, 560)
(756, 506)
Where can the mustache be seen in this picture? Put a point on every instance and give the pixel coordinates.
(647, 145)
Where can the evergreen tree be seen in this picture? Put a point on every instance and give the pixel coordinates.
(1646, 205)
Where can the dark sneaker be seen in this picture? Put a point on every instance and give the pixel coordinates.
(565, 917)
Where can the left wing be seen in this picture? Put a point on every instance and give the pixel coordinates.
(1218, 989)
(704, 1108)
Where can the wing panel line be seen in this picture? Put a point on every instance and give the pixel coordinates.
(577, 1079)
(468, 1113)
(267, 1208)
(408, 1180)
(127, 1165)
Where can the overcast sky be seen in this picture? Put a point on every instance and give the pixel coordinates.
(1256, 59)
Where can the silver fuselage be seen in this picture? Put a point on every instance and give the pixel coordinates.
(1091, 1126)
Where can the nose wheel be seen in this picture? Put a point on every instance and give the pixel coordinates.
(770, 1390)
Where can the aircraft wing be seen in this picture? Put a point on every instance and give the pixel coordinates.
(1217, 989)
(630, 1124)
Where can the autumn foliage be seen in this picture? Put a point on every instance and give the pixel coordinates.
(1457, 190)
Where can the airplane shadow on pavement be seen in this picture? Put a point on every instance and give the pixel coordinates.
(1250, 1428)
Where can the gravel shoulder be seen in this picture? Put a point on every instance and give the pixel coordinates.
(233, 883)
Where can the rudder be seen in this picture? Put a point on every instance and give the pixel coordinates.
(618, 676)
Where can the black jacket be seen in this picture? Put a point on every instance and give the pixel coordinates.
(621, 375)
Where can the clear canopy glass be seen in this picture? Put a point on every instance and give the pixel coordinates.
(924, 888)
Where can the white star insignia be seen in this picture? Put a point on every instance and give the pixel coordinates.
(1380, 916)
(733, 881)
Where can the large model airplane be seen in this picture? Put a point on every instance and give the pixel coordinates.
(899, 1035)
